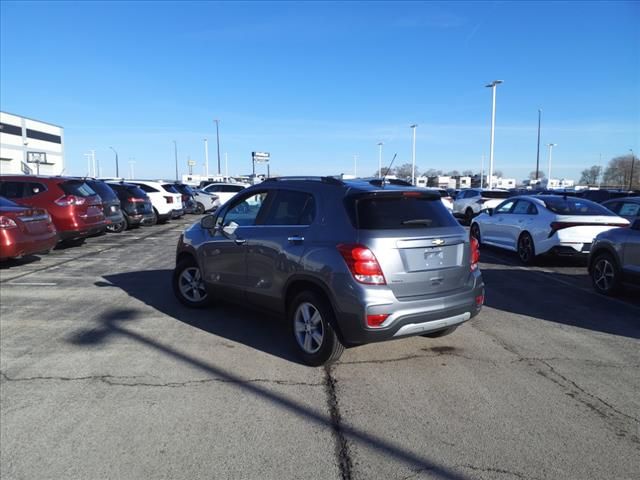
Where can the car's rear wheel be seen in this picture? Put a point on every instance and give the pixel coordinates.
(475, 232)
(310, 318)
(199, 209)
(605, 274)
(116, 227)
(526, 249)
(188, 284)
(440, 333)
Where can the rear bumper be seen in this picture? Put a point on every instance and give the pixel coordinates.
(114, 218)
(82, 233)
(177, 213)
(17, 244)
(407, 317)
(140, 218)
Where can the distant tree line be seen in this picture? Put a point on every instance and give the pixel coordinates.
(618, 173)
(404, 172)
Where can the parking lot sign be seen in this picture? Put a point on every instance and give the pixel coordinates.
(261, 157)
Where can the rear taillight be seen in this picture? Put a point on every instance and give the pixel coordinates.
(479, 300)
(362, 264)
(7, 223)
(169, 199)
(376, 320)
(555, 226)
(136, 200)
(68, 200)
(475, 253)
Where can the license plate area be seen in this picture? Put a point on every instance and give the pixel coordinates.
(431, 258)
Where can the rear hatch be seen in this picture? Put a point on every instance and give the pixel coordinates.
(86, 202)
(110, 202)
(178, 200)
(421, 248)
(31, 221)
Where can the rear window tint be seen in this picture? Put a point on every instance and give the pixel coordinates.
(389, 213)
(102, 189)
(575, 206)
(495, 194)
(78, 188)
(170, 188)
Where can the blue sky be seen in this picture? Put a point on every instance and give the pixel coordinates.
(317, 83)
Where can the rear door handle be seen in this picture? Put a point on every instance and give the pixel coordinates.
(240, 241)
(295, 239)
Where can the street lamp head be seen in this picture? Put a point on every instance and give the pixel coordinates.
(413, 126)
(494, 83)
(380, 144)
(552, 144)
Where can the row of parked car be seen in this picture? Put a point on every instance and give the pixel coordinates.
(38, 212)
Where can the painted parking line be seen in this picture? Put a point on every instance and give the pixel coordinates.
(33, 284)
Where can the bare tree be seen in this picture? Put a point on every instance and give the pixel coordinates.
(453, 173)
(618, 172)
(404, 171)
(590, 175)
(432, 172)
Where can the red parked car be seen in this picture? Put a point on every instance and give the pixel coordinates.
(75, 208)
(24, 231)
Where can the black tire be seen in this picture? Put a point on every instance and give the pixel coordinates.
(475, 232)
(116, 227)
(526, 249)
(329, 348)
(440, 333)
(159, 221)
(605, 274)
(199, 209)
(127, 223)
(188, 284)
(468, 215)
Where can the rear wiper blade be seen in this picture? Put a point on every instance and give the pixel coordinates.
(418, 221)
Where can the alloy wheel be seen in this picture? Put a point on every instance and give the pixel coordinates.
(604, 274)
(308, 328)
(525, 248)
(191, 285)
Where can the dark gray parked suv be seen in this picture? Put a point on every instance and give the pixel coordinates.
(348, 262)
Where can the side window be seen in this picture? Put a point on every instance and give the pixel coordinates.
(521, 208)
(532, 210)
(244, 211)
(505, 207)
(629, 209)
(147, 188)
(11, 189)
(290, 208)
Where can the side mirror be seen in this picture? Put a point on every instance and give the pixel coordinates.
(208, 222)
(489, 211)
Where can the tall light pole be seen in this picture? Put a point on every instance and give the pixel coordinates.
(413, 155)
(132, 162)
(218, 142)
(380, 144)
(117, 170)
(206, 157)
(538, 152)
(493, 86)
(175, 153)
(633, 159)
(550, 145)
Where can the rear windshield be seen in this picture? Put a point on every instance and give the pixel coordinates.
(125, 191)
(103, 190)
(77, 187)
(389, 213)
(495, 194)
(186, 189)
(170, 188)
(575, 206)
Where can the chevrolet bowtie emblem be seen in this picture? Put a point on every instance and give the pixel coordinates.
(437, 241)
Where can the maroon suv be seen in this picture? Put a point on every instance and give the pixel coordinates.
(75, 208)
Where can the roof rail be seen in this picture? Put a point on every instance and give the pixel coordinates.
(331, 180)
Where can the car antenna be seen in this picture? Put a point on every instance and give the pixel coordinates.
(388, 169)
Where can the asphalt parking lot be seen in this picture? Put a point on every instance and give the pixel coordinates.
(105, 375)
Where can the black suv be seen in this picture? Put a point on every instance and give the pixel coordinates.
(134, 203)
(110, 205)
(348, 262)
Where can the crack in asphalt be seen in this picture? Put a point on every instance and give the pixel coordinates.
(114, 381)
(343, 456)
(445, 353)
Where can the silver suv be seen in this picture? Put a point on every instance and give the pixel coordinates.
(347, 262)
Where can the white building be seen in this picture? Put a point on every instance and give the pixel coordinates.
(29, 146)
(505, 183)
(552, 183)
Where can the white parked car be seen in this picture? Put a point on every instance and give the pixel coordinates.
(470, 202)
(224, 191)
(166, 204)
(445, 198)
(206, 201)
(533, 225)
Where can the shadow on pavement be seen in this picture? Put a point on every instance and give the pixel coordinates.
(17, 262)
(113, 324)
(259, 330)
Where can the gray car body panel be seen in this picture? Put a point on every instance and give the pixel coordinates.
(624, 245)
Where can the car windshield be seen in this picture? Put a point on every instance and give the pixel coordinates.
(396, 212)
(575, 206)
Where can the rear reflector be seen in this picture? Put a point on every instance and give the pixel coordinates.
(362, 264)
(376, 320)
(479, 300)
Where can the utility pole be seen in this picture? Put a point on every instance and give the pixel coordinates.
(132, 162)
(206, 157)
(492, 85)
(175, 152)
(413, 155)
(633, 159)
(538, 152)
(226, 165)
(550, 145)
(380, 144)
(218, 142)
(117, 169)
